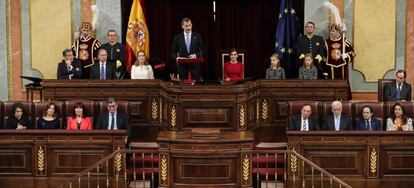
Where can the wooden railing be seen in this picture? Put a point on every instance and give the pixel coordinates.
(112, 171)
(296, 171)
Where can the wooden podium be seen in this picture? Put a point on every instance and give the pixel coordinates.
(188, 62)
(205, 159)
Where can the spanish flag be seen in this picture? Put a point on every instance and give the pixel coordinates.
(137, 36)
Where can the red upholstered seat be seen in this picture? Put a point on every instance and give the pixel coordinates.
(409, 107)
(377, 109)
(381, 84)
(123, 106)
(40, 108)
(90, 106)
(296, 106)
(7, 110)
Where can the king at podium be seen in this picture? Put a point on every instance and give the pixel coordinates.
(187, 45)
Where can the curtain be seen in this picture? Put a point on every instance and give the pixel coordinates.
(242, 24)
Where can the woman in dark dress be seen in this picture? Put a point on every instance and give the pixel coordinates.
(49, 119)
(19, 120)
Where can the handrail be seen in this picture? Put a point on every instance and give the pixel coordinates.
(102, 161)
(307, 161)
(319, 168)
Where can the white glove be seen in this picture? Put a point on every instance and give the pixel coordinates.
(344, 55)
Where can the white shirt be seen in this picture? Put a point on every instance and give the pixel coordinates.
(307, 124)
(142, 72)
(337, 121)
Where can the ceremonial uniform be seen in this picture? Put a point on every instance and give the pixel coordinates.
(336, 66)
(116, 53)
(85, 49)
(314, 46)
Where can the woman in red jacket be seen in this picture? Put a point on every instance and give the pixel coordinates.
(79, 121)
(233, 70)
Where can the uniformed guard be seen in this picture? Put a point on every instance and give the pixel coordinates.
(311, 44)
(116, 53)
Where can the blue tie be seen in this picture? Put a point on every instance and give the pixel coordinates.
(102, 73)
(368, 125)
(187, 42)
(398, 92)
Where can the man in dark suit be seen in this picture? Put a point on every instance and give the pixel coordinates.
(187, 45)
(69, 68)
(367, 122)
(337, 121)
(103, 70)
(398, 90)
(304, 121)
(113, 120)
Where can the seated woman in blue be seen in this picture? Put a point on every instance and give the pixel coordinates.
(49, 119)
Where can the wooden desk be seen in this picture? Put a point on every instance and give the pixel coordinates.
(46, 158)
(188, 160)
(360, 158)
(154, 104)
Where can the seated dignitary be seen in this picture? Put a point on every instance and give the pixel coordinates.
(79, 121)
(141, 69)
(233, 69)
(304, 121)
(398, 90)
(337, 121)
(275, 70)
(69, 68)
(20, 120)
(399, 121)
(113, 120)
(308, 70)
(49, 119)
(103, 70)
(367, 122)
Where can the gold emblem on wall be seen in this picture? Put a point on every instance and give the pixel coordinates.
(246, 169)
(242, 116)
(164, 170)
(154, 109)
(118, 162)
(40, 160)
(173, 117)
(373, 162)
(265, 110)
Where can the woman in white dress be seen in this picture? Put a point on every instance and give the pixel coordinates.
(141, 69)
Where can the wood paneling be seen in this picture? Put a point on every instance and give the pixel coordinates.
(190, 161)
(46, 158)
(360, 158)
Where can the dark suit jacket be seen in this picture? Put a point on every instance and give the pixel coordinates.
(63, 73)
(110, 71)
(390, 91)
(296, 123)
(375, 124)
(121, 122)
(345, 123)
(179, 49)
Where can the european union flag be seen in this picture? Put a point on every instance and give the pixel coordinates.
(287, 33)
